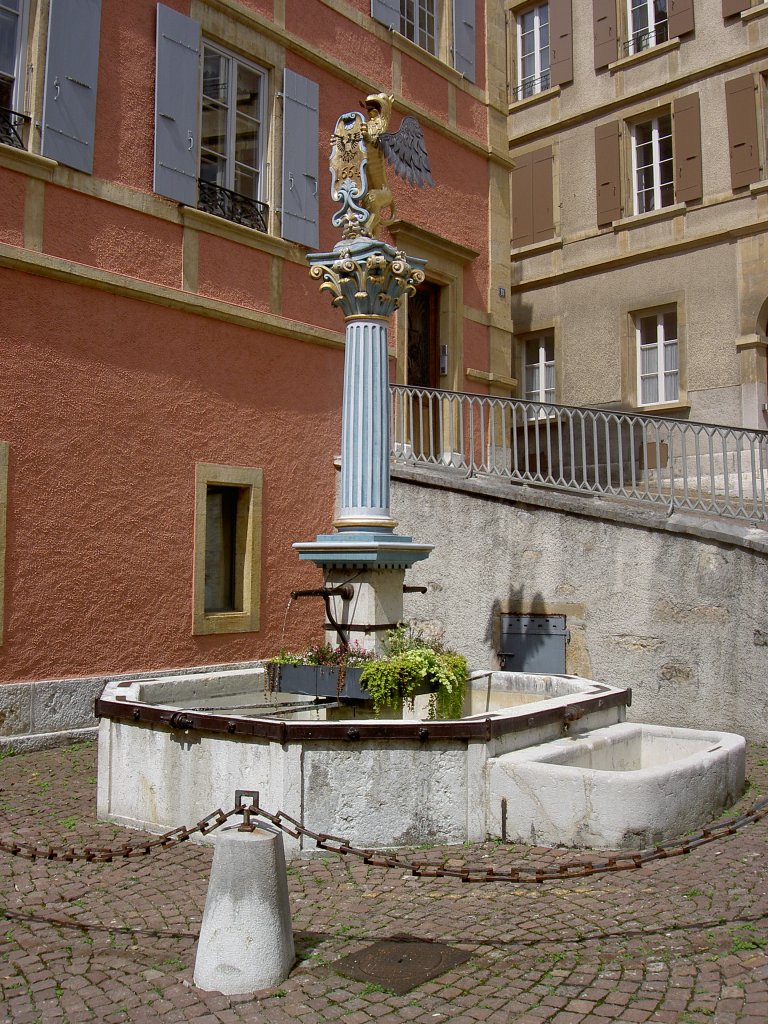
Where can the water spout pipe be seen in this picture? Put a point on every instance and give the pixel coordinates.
(345, 591)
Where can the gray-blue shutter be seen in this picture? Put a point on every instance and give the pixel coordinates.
(464, 38)
(387, 12)
(71, 75)
(177, 106)
(300, 159)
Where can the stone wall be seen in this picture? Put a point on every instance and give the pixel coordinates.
(674, 607)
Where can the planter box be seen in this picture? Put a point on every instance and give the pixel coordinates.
(320, 681)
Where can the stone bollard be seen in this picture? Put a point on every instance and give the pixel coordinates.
(246, 939)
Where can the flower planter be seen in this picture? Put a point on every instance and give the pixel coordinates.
(320, 681)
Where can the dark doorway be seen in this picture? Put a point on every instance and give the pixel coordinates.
(424, 337)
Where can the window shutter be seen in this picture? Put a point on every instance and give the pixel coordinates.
(560, 42)
(680, 17)
(71, 75)
(741, 106)
(606, 40)
(522, 200)
(543, 221)
(608, 172)
(300, 159)
(464, 38)
(177, 106)
(731, 7)
(387, 12)
(687, 146)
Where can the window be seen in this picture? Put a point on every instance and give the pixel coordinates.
(648, 24)
(12, 15)
(652, 164)
(232, 138)
(532, 51)
(540, 368)
(227, 581)
(418, 22)
(658, 372)
(444, 28)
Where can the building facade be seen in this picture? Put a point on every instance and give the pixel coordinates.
(639, 192)
(171, 376)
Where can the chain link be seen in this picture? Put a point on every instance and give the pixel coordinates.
(419, 868)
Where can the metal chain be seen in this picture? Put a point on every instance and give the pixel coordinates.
(419, 868)
(525, 873)
(104, 854)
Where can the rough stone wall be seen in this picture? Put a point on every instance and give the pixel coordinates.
(674, 607)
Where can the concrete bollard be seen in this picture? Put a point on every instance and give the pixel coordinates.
(246, 939)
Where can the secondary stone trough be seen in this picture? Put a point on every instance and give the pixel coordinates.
(171, 749)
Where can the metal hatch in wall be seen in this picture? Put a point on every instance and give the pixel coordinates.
(533, 643)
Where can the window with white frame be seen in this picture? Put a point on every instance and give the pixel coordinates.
(532, 51)
(232, 139)
(12, 35)
(653, 168)
(658, 365)
(540, 368)
(418, 22)
(648, 24)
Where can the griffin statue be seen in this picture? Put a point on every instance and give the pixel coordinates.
(359, 148)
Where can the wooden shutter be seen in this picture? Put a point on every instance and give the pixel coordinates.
(464, 44)
(686, 122)
(560, 42)
(532, 207)
(543, 221)
(177, 106)
(71, 75)
(741, 106)
(608, 172)
(606, 38)
(731, 7)
(680, 17)
(522, 200)
(387, 12)
(300, 159)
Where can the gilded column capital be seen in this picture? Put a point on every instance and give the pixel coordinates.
(366, 278)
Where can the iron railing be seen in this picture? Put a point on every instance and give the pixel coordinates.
(223, 202)
(530, 87)
(11, 122)
(645, 38)
(700, 467)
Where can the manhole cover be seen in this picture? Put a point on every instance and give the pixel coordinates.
(400, 964)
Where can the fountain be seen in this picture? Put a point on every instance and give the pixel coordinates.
(171, 748)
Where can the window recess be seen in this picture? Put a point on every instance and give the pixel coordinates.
(212, 133)
(13, 15)
(445, 28)
(637, 25)
(658, 366)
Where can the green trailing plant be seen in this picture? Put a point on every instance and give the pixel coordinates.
(412, 663)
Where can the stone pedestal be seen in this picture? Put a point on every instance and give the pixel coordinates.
(246, 939)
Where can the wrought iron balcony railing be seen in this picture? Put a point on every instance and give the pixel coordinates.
(698, 467)
(646, 38)
(222, 202)
(530, 87)
(10, 128)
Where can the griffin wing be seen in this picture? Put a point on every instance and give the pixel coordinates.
(406, 152)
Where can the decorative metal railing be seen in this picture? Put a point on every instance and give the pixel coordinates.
(700, 467)
(645, 38)
(11, 122)
(222, 202)
(530, 87)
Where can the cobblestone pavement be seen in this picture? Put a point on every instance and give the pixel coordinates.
(682, 941)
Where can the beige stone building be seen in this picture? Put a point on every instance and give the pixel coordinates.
(640, 205)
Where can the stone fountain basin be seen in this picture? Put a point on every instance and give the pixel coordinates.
(625, 786)
(173, 748)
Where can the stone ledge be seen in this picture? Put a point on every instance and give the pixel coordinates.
(721, 531)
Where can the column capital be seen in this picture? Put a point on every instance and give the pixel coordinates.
(366, 277)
